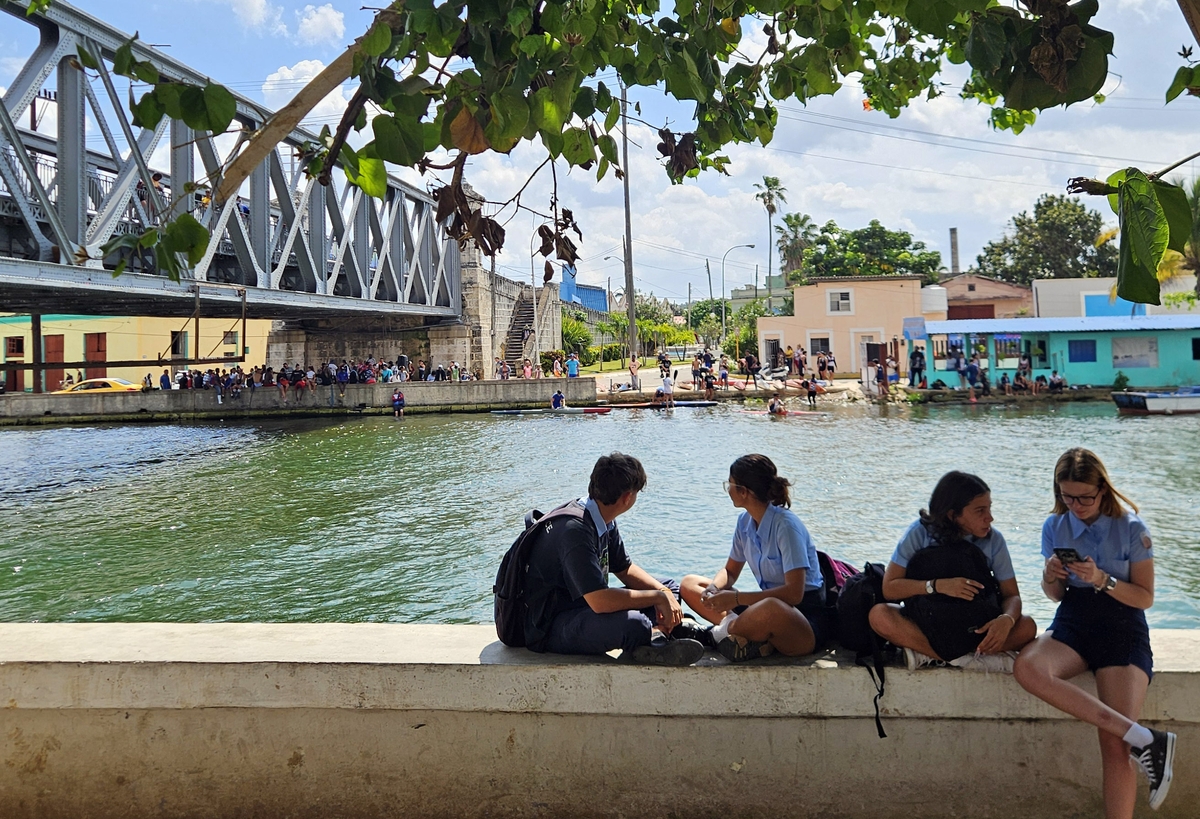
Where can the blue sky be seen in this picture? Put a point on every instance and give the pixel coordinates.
(937, 166)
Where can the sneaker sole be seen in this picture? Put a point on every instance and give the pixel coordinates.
(1160, 794)
(675, 653)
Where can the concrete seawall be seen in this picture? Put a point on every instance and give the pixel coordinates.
(168, 405)
(372, 720)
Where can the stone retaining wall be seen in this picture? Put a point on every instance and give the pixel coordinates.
(372, 720)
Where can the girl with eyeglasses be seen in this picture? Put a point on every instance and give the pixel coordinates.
(787, 614)
(1100, 570)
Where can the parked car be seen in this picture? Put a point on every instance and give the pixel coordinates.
(100, 385)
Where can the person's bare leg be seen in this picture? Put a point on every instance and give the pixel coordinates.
(774, 621)
(887, 621)
(690, 589)
(1044, 669)
(1021, 635)
(1123, 688)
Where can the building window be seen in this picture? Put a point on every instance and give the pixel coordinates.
(970, 288)
(14, 346)
(1196, 349)
(839, 301)
(230, 338)
(178, 344)
(1081, 350)
(817, 345)
(1008, 351)
(1036, 348)
(1132, 352)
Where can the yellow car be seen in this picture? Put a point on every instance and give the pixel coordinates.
(100, 385)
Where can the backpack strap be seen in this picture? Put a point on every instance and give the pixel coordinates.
(877, 662)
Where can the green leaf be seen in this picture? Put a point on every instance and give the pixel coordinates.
(376, 41)
(221, 107)
(1177, 212)
(187, 236)
(608, 148)
(123, 60)
(1144, 227)
(577, 146)
(86, 59)
(614, 113)
(148, 112)
(146, 72)
(371, 177)
(1115, 180)
(986, 45)
(1184, 77)
(393, 144)
(585, 102)
(545, 111)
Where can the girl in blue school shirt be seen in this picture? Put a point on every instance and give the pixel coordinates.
(1100, 570)
(787, 614)
(960, 512)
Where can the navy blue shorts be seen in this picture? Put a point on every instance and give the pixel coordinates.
(1103, 631)
(818, 615)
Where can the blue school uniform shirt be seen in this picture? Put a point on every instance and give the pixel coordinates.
(1113, 543)
(572, 368)
(779, 544)
(993, 546)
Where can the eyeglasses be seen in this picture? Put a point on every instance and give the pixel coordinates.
(1078, 500)
(730, 485)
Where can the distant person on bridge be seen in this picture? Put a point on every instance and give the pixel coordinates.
(571, 609)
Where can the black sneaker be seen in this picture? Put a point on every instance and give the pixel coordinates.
(1156, 761)
(690, 630)
(665, 652)
(739, 651)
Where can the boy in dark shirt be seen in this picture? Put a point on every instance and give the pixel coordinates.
(572, 609)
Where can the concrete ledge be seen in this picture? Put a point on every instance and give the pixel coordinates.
(303, 720)
(172, 405)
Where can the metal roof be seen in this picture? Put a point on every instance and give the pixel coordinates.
(1075, 324)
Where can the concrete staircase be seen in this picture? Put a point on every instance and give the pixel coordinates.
(515, 343)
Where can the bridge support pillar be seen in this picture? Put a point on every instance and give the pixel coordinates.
(35, 341)
(72, 151)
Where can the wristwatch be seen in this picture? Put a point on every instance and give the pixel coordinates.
(1109, 584)
(929, 587)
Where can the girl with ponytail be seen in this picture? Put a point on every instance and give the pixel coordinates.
(787, 614)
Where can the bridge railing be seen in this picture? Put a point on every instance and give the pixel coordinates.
(283, 232)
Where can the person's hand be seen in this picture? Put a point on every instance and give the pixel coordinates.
(1054, 571)
(995, 634)
(962, 588)
(1087, 571)
(669, 612)
(717, 599)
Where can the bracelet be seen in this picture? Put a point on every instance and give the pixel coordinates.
(736, 601)
(1009, 616)
(934, 585)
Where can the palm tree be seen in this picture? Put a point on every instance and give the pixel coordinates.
(795, 235)
(771, 194)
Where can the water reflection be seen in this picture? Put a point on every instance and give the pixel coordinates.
(373, 519)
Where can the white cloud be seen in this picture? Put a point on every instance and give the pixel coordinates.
(259, 14)
(320, 24)
(283, 84)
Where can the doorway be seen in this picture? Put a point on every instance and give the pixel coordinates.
(95, 348)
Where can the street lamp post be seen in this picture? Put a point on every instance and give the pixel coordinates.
(727, 252)
(533, 283)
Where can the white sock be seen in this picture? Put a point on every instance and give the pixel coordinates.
(721, 630)
(1138, 737)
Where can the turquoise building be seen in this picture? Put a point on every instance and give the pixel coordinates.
(1152, 351)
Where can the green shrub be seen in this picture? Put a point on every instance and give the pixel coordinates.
(1121, 381)
(548, 357)
(613, 352)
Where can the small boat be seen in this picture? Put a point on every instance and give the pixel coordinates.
(789, 413)
(1183, 401)
(651, 405)
(548, 411)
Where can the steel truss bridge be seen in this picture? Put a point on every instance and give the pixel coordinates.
(288, 248)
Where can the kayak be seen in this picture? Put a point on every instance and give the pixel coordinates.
(797, 413)
(648, 405)
(548, 411)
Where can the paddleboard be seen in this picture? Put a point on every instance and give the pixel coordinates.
(563, 411)
(796, 413)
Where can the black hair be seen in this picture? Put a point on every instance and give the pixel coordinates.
(613, 476)
(757, 474)
(953, 493)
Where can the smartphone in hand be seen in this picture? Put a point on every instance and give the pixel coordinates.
(1067, 556)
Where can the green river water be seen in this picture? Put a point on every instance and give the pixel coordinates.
(374, 519)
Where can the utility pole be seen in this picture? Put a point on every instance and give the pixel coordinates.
(689, 309)
(630, 295)
(708, 270)
(770, 312)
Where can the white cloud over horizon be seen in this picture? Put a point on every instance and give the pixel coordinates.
(320, 25)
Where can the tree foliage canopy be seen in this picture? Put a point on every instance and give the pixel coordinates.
(1057, 241)
(870, 251)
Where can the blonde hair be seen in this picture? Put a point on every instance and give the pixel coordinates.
(1083, 466)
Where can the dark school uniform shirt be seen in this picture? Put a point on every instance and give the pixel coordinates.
(570, 558)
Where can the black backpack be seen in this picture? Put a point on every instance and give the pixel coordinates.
(857, 597)
(510, 607)
(948, 622)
